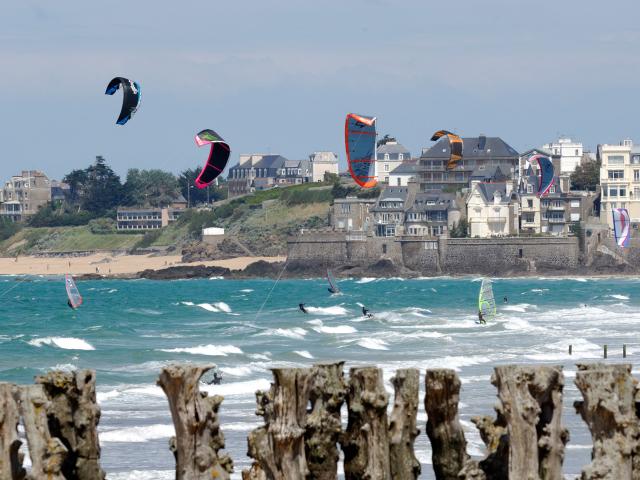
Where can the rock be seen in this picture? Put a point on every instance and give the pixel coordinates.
(10, 458)
(184, 271)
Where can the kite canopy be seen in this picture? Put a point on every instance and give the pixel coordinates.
(218, 157)
(621, 226)
(75, 299)
(360, 142)
(130, 99)
(545, 174)
(455, 147)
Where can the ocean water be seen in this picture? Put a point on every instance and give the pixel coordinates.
(128, 329)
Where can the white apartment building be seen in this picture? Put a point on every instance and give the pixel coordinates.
(389, 157)
(570, 153)
(619, 180)
(492, 209)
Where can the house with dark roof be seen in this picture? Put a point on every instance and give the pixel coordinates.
(492, 209)
(431, 214)
(478, 154)
(404, 173)
(262, 172)
(388, 212)
(389, 157)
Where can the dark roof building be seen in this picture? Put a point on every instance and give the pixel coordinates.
(479, 153)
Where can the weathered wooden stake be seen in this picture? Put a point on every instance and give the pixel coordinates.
(47, 452)
(198, 437)
(73, 415)
(327, 394)
(605, 351)
(570, 349)
(366, 442)
(448, 445)
(402, 425)
(624, 350)
(10, 459)
(609, 409)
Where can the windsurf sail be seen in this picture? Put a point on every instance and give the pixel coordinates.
(360, 141)
(486, 302)
(75, 299)
(333, 286)
(621, 226)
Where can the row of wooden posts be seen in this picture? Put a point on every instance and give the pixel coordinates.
(302, 433)
(605, 350)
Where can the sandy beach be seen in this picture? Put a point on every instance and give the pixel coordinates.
(106, 264)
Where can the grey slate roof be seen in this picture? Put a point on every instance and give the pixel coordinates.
(393, 148)
(487, 190)
(493, 174)
(441, 202)
(391, 194)
(494, 147)
(406, 168)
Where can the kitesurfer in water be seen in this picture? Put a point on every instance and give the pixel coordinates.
(505, 299)
(217, 378)
(481, 319)
(301, 307)
(366, 312)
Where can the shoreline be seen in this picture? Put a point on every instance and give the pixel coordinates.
(99, 266)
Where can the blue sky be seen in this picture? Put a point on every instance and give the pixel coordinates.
(279, 76)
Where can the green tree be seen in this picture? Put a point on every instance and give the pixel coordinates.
(155, 188)
(195, 195)
(103, 190)
(460, 229)
(386, 139)
(586, 176)
(77, 181)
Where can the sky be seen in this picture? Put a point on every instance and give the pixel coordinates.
(279, 76)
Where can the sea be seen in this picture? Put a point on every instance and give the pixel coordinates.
(127, 330)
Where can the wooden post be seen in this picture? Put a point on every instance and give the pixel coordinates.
(366, 442)
(570, 349)
(278, 447)
(73, 415)
(402, 425)
(624, 350)
(10, 458)
(609, 409)
(324, 425)
(605, 351)
(195, 418)
(47, 452)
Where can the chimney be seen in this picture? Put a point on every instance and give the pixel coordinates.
(482, 141)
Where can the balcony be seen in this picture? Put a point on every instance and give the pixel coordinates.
(556, 220)
(496, 219)
(555, 208)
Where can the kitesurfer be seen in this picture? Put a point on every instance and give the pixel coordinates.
(481, 319)
(366, 312)
(301, 307)
(505, 299)
(217, 378)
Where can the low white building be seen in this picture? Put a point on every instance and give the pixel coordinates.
(570, 153)
(492, 209)
(321, 163)
(212, 235)
(389, 157)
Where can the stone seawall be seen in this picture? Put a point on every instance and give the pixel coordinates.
(432, 256)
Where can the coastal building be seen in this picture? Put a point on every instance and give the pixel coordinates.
(146, 218)
(569, 152)
(404, 173)
(321, 163)
(351, 214)
(262, 172)
(431, 214)
(619, 180)
(479, 154)
(60, 191)
(389, 157)
(492, 209)
(388, 212)
(23, 194)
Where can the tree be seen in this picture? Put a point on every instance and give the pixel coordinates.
(154, 188)
(460, 229)
(103, 190)
(586, 176)
(386, 139)
(77, 180)
(187, 179)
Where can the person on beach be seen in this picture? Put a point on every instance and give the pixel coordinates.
(481, 319)
(366, 312)
(301, 307)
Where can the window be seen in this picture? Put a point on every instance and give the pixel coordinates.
(386, 167)
(622, 192)
(556, 151)
(635, 159)
(613, 191)
(529, 217)
(400, 156)
(346, 208)
(575, 203)
(386, 179)
(399, 181)
(552, 189)
(576, 152)
(529, 188)
(615, 159)
(616, 174)
(636, 192)
(636, 175)
(529, 203)
(386, 156)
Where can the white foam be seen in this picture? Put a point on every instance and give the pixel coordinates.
(366, 280)
(248, 387)
(239, 371)
(104, 396)
(296, 332)
(208, 307)
(619, 297)
(240, 426)
(303, 353)
(340, 329)
(259, 356)
(246, 290)
(66, 343)
(137, 434)
(189, 304)
(335, 310)
(216, 278)
(373, 344)
(223, 307)
(210, 350)
(144, 475)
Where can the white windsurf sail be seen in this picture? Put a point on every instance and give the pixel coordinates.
(486, 302)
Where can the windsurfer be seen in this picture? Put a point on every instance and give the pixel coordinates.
(505, 299)
(331, 290)
(70, 305)
(481, 319)
(301, 307)
(366, 312)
